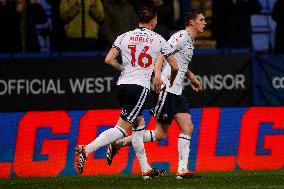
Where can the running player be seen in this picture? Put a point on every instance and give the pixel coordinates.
(171, 103)
(139, 50)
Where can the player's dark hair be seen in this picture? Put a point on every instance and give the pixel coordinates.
(147, 13)
(192, 15)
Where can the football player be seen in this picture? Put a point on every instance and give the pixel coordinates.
(171, 104)
(139, 50)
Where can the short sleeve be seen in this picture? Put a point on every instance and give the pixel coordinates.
(118, 42)
(167, 50)
(177, 41)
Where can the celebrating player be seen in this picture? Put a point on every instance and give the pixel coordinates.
(171, 103)
(139, 50)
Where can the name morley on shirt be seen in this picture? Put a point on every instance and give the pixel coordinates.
(36, 86)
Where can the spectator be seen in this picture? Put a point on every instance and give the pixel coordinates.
(82, 19)
(58, 36)
(278, 16)
(231, 24)
(120, 17)
(180, 12)
(18, 21)
(166, 15)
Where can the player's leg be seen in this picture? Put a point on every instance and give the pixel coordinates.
(137, 142)
(119, 131)
(136, 96)
(152, 173)
(149, 136)
(159, 133)
(159, 111)
(114, 147)
(183, 119)
(105, 138)
(184, 138)
(108, 136)
(185, 123)
(163, 113)
(164, 116)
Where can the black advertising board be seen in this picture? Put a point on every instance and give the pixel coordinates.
(226, 80)
(268, 80)
(57, 83)
(81, 83)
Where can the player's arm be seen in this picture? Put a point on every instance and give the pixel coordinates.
(111, 59)
(174, 68)
(176, 42)
(168, 52)
(195, 83)
(157, 73)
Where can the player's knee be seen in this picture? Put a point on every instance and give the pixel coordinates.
(187, 129)
(140, 121)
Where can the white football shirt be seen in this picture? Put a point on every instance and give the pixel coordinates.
(182, 45)
(139, 50)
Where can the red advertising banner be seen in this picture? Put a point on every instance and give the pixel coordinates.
(41, 143)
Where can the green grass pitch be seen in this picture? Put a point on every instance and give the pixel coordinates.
(212, 180)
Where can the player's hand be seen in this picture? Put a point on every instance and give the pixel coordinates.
(171, 82)
(196, 85)
(158, 82)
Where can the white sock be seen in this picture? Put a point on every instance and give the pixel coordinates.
(183, 152)
(138, 145)
(106, 138)
(149, 136)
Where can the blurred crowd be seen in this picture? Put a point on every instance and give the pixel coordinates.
(84, 25)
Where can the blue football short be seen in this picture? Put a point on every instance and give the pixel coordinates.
(132, 99)
(168, 105)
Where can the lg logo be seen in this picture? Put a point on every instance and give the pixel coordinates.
(278, 82)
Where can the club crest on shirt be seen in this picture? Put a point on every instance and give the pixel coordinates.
(165, 116)
(124, 112)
